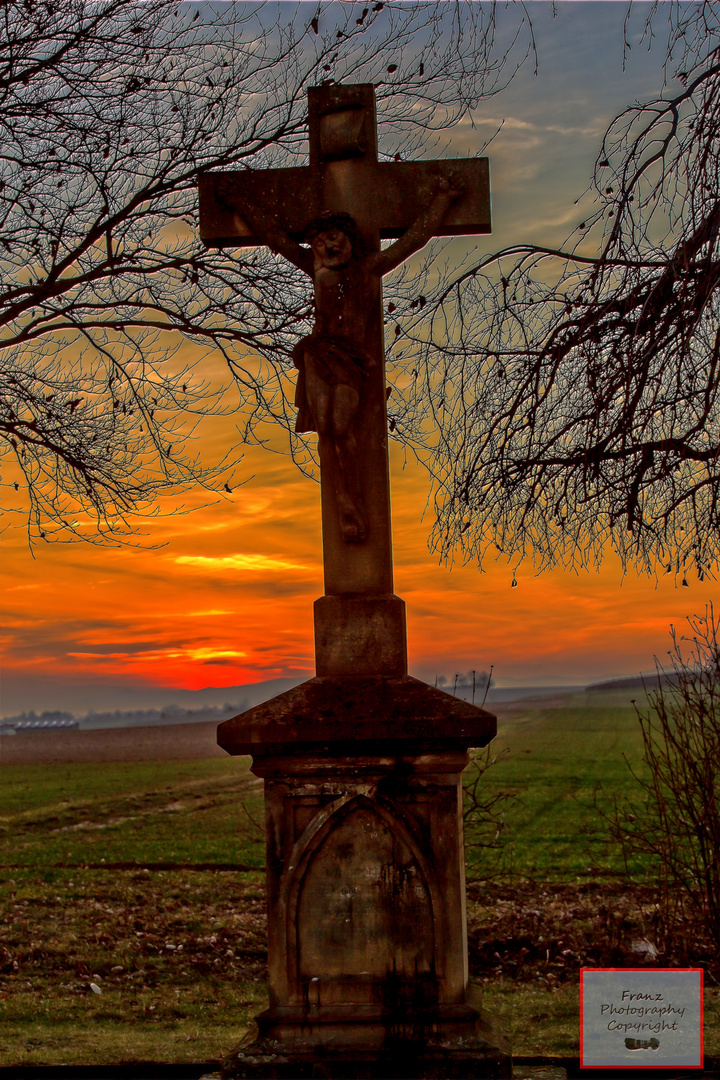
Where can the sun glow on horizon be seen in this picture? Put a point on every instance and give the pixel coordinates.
(209, 614)
(237, 562)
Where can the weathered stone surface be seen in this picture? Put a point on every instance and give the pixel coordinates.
(400, 190)
(367, 945)
(343, 175)
(366, 880)
(408, 200)
(471, 1051)
(367, 950)
(357, 715)
(360, 635)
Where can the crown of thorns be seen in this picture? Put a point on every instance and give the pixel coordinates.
(330, 220)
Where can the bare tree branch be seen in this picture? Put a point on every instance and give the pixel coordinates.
(108, 112)
(574, 390)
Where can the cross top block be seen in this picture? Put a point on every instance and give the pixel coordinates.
(341, 122)
(344, 175)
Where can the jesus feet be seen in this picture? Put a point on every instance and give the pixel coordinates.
(352, 526)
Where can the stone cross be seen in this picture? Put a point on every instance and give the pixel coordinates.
(367, 942)
(344, 203)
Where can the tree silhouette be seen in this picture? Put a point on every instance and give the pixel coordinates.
(574, 391)
(108, 111)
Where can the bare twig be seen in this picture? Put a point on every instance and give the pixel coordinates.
(568, 399)
(108, 112)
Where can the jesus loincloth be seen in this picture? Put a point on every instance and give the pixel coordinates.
(337, 361)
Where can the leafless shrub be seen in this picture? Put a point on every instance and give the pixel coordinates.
(487, 845)
(675, 818)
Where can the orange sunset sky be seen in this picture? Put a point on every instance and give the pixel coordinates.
(222, 595)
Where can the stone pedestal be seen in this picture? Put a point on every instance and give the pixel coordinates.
(360, 635)
(367, 946)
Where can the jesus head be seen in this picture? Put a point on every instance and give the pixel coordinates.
(333, 239)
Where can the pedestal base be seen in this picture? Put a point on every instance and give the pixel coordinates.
(367, 943)
(457, 1043)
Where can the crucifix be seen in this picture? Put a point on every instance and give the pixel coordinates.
(342, 205)
(367, 937)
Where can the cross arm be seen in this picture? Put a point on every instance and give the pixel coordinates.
(424, 227)
(385, 198)
(244, 209)
(405, 189)
(274, 236)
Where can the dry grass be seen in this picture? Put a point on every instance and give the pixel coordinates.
(194, 1000)
(178, 957)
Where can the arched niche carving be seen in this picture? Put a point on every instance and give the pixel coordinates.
(360, 900)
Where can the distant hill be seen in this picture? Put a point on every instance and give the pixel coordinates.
(214, 704)
(211, 704)
(636, 682)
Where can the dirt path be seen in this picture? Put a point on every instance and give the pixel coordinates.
(166, 742)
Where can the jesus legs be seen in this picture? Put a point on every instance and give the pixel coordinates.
(345, 401)
(334, 409)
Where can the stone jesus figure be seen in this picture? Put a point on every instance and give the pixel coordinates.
(333, 361)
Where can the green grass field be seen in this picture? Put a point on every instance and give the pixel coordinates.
(139, 811)
(145, 879)
(565, 765)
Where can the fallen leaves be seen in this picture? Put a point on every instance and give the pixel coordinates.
(546, 933)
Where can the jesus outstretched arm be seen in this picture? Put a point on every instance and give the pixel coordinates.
(449, 189)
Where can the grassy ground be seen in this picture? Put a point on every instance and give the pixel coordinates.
(565, 766)
(178, 812)
(127, 965)
(132, 902)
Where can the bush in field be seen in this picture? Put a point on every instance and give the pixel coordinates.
(676, 815)
(484, 809)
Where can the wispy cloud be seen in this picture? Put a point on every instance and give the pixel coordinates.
(237, 562)
(202, 614)
(207, 654)
(202, 654)
(514, 123)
